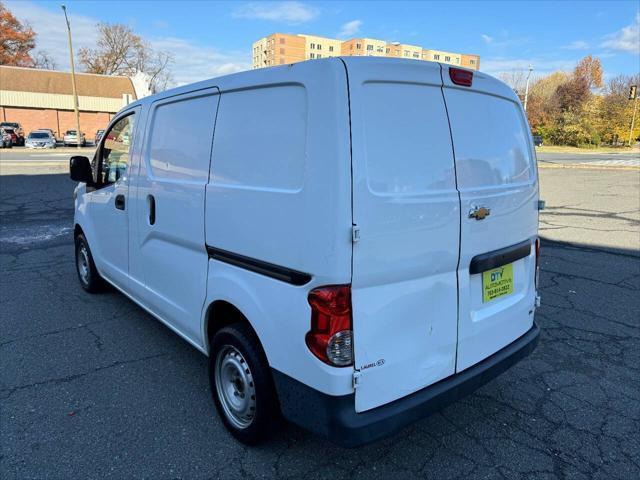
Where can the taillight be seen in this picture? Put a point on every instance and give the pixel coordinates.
(461, 77)
(331, 335)
(537, 262)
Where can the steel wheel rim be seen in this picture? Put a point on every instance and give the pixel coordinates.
(83, 264)
(235, 387)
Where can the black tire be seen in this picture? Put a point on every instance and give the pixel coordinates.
(266, 416)
(88, 275)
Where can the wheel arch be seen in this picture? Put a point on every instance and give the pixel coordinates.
(77, 230)
(222, 313)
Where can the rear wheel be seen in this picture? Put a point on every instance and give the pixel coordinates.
(241, 384)
(85, 267)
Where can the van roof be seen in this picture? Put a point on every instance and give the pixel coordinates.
(482, 82)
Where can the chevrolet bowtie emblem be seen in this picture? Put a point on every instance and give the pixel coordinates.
(479, 213)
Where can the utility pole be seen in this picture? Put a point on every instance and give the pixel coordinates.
(633, 95)
(526, 90)
(73, 79)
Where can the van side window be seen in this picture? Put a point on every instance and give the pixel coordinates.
(114, 154)
(179, 145)
(260, 139)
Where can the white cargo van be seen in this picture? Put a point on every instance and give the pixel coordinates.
(352, 241)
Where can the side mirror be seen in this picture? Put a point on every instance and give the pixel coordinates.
(80, 170)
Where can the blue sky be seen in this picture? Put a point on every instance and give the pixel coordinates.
(213, 38)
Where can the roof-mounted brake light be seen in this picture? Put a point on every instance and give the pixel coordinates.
(461, 77)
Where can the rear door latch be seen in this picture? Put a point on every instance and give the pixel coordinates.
(356, 379)
(355, 233)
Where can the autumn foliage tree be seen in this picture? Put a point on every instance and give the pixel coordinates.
(16, 40)
(577, 108)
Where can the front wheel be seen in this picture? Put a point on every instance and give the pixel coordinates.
(86, 268)
(242, 385)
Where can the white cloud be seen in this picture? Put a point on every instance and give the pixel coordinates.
(192, 61)
(287, 12)
(577, 45)
(350, 28)
(627, 39)
(486, 39)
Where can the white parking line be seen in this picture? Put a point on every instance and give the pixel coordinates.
(50, 155)
(615, 163)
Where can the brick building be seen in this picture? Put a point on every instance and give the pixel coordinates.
(43, 99)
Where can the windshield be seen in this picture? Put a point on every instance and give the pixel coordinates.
(71, 132)
(39, 135)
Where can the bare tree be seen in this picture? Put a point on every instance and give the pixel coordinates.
(516, 79)
(43, 60)
(119, 51)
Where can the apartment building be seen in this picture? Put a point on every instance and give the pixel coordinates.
(470, 61)
(282, 48)
(363, 47)
(442, 56)
(321, 47)
(402, 50)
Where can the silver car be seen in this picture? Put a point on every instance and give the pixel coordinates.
(71, 138)
(40, 139)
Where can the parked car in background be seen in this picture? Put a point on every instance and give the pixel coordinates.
(537, 140)
(53, 134)
(98, 136)
(5, 139)
(40, 139)
(14, 137)
(71, 138)
(16, 129)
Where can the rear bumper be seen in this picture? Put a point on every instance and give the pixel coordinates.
(336, 418)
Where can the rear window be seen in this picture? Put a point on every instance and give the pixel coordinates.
(407, 140)
(491, 140)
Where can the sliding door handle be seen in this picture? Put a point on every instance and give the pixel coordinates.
(151, 203)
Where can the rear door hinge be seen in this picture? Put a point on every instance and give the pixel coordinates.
(356, 379)
(355, 233)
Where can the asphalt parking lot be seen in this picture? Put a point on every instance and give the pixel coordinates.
(93, 387)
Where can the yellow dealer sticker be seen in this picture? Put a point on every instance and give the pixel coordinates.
(497, 282)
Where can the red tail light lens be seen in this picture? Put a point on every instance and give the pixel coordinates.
(331, 336)
(461, 77)
(537, 262)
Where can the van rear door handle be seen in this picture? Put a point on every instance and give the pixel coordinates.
(120, 201)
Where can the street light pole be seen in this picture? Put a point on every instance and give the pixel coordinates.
(526, 90)
(633, 119)
(73, 79)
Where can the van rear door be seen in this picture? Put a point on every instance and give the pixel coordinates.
(406, 230)
(497, 181)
